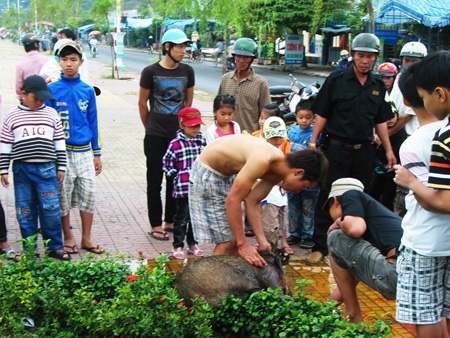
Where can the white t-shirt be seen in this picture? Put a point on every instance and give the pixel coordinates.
(277, 196)
(397, 98)
(425, 232)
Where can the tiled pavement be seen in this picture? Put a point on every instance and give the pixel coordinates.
(120, 220)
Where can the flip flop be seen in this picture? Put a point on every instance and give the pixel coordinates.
(164, 233)
(73, 249)
(95, 249)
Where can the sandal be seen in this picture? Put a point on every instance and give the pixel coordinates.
(11, 253)
(197, 252)
(178, 253)
(59, 254)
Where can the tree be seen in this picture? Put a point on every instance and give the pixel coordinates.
(101, 9)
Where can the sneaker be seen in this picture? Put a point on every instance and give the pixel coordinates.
(293, 240)
(307, 243)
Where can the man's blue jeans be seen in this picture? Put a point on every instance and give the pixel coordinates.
(36, 193)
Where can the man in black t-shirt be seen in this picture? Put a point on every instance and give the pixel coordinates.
(363, 243)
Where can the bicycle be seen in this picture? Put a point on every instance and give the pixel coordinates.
(199, 56)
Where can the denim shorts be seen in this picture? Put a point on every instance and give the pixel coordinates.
(423, 288)
(364, 261)
(208, 190)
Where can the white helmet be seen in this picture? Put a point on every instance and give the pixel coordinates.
(414, 49)
(344, 52)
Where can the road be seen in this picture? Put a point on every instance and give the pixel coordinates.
(207, 76)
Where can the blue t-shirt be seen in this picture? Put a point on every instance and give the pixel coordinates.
(301, 138)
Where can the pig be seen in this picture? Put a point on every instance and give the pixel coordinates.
(213, 278)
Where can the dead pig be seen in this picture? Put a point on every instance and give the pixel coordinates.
(214, 278)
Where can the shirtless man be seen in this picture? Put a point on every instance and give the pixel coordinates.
(224, 175)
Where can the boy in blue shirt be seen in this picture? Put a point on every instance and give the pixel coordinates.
(302, 205)
(74, 100)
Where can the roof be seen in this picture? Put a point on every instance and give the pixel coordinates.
(430, 13)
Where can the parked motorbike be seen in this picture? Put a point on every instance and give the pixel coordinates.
(287, 97)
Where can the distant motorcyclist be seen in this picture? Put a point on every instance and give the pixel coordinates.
(343, 63)
(93, 42)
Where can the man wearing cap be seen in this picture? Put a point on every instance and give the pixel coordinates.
(166, 87)
(31, 64)
(348, 107)
(363, 243)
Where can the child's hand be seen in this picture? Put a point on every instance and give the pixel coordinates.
(5, 181)
(61, 175)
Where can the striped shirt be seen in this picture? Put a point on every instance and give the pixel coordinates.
(32, 136)
(177, 162)
(440, 160)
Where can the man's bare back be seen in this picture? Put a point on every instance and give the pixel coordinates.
(228, 155)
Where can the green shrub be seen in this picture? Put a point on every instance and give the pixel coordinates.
(102, 298)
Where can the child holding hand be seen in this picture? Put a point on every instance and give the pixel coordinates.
(223, 125)
(274, 206)
(177, 163)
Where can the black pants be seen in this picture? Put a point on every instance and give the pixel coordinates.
(3, 232)
(343, 162)
(181, 228)
(155, 148)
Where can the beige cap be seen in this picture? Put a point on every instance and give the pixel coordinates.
(68, 43)
(274, 127)
(342, 185)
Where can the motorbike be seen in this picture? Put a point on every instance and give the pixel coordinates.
(287, 97)
(94, 52)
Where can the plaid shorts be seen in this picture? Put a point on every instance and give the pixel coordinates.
(79, 187)
(208, 190)
(423, 288)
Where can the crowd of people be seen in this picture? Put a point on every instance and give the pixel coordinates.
(363, 176)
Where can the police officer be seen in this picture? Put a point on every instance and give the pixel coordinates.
(349, 106)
